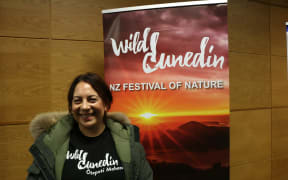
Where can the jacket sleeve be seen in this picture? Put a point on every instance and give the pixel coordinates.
(145, 170)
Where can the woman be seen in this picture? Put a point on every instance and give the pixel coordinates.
(88, 143)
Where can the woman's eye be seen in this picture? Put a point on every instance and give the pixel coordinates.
(93, 100)
(77, 101)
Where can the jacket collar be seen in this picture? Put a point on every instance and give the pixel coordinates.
(44, 121)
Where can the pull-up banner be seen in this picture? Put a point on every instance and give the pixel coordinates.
(287, 45)
(167, 67)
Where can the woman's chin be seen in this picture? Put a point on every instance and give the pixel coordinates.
(88, 124)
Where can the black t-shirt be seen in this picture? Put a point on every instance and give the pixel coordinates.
(91, 158)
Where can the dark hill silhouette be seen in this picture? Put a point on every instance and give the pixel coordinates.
(194, 137)
(172, 171)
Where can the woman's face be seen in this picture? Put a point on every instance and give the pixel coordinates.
(87, 106)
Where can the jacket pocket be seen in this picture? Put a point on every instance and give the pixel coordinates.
(33, 169)
(34, 173)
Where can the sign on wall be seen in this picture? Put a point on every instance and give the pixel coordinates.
(167, 67)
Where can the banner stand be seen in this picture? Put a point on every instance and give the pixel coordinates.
(167, 67)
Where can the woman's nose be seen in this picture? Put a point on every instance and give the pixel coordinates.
(85, 105)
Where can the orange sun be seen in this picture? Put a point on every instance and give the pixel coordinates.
(147, 115)
(147, 118)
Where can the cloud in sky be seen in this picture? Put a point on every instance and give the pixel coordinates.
(181, 30)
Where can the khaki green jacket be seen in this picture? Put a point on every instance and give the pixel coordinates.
(52, 133)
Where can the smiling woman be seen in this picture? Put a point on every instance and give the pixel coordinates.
(88, 143)
(87, 106)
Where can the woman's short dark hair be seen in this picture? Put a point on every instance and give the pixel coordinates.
(97, 83)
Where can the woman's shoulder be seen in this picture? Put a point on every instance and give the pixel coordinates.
(45, 121)
(120, 124)
(119, 117)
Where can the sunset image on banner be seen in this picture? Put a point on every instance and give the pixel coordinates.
(168, 71)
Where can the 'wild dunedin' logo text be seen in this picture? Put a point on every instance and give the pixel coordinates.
(190, 59)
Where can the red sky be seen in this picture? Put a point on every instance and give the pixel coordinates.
(180, 30)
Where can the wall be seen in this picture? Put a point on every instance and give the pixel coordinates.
(45, 43)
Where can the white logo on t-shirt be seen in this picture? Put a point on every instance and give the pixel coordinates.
(108, 164)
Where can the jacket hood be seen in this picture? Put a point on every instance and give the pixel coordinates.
(44, 121)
